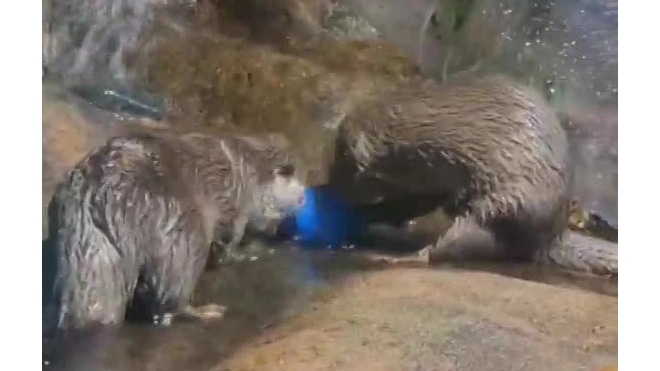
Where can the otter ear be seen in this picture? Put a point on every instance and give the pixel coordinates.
(285, 170)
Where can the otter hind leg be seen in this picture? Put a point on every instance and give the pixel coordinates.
(466, 240)
(171, 272)
(227, 238)
(93, 274)
(208, 312)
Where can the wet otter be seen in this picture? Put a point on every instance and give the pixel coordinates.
(489, 150)
(133, 221)
(566, 48)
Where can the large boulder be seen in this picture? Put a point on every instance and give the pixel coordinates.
(410, 319)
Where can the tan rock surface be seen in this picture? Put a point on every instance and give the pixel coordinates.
(447, 319)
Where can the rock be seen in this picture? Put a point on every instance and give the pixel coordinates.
(71, 127)
(89, 41)
(218, 82)
(411, 319)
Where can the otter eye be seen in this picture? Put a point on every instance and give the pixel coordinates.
(286, 170)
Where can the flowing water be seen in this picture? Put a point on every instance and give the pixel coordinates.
(90, 40)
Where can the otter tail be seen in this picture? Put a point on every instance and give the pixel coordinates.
(583, 253)
(93, 275)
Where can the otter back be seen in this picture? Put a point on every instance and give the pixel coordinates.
(492, 149)
(133, 221)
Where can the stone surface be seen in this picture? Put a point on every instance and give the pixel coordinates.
(448, 319)
(324, 310)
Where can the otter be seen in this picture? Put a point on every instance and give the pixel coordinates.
(132, 223)
(566, 48)
(489, 150)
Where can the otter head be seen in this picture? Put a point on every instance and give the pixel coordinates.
(279, 198)
(281, 191)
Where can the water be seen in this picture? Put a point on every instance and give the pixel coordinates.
(260, 295)
(90, 40)
(121, 99)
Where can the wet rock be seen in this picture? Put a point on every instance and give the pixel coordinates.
(71, 127)
(409, 319)
(219, 82)
(567, 47)
(90, 40)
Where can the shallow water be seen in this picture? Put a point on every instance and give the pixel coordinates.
(281, 284)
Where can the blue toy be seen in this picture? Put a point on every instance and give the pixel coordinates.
(325, 220)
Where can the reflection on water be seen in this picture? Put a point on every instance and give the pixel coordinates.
(259, 295)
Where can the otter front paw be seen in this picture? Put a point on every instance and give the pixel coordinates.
(233, 256)
(208, 312)
(442, 253)
(420, 257)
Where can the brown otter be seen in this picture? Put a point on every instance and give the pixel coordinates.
(133, 221)
(566, 48)
(489, 150)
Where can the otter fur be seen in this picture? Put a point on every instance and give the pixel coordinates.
(133, 222)
(490, 151)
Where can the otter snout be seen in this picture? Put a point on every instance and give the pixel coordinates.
(288, 191)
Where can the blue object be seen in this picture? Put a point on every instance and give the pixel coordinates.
(325, 220)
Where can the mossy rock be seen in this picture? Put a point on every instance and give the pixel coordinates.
(215, 82)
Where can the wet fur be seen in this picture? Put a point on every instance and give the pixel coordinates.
(490, 150)
(133, 221)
